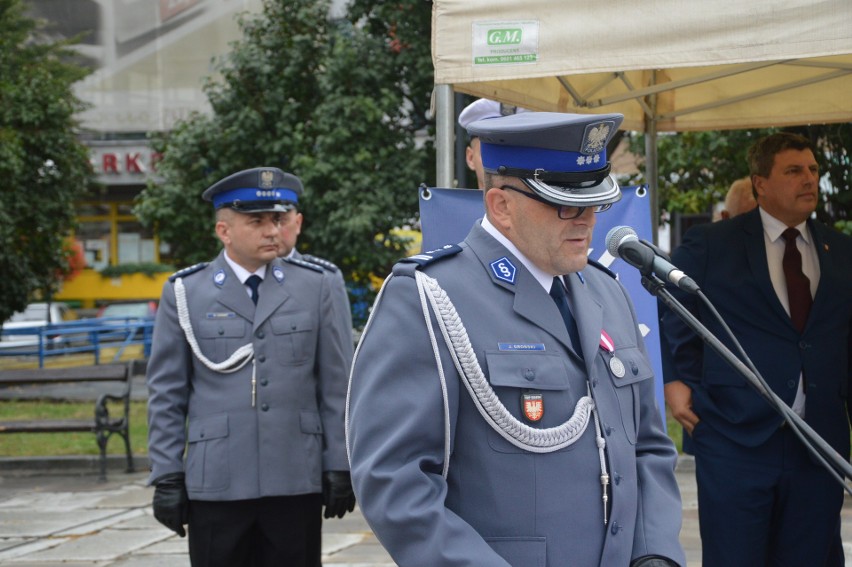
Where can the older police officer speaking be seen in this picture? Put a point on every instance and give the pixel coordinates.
(501, 407)
(247, 384)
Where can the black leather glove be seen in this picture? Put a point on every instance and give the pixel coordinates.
(171, 504)
(337, 494)
(653, 561)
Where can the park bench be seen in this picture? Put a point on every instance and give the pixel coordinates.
(102, 424)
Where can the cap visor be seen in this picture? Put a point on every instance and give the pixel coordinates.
(603, 193)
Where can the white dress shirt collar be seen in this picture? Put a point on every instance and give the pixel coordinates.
(542, 277)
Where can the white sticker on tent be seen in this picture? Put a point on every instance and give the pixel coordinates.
(505, 43)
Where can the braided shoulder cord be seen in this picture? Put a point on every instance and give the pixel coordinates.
(236, 361)
(483, 396)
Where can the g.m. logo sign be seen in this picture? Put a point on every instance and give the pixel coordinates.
(507, 36)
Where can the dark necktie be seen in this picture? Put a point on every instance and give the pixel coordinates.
(560, 297)
(798, 284)
(254, 282)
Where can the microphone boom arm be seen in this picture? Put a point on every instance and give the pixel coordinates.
(815, 444)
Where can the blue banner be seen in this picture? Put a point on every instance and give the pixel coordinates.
(446, 216)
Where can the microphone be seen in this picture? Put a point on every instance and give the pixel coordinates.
(623, 242)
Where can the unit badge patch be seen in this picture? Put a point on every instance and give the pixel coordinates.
(503, 269)
(532, 405)
(219, 277)
(278, 274)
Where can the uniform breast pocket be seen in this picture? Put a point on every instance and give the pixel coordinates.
(219, 338)
(512, 374)
(629, 369)
(295, 332)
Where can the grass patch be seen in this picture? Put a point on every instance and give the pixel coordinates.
(51, 444)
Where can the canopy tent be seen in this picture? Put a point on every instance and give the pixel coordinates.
(667, 65)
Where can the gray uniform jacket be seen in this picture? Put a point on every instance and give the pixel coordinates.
(339, 295)
(499, 504)
(234, 451)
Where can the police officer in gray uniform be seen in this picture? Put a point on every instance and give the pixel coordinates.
(247, 383)
(291, 228)
(501, 407)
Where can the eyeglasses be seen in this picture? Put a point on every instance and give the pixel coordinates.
(564, 212)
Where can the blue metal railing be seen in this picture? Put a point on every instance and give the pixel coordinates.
(82, 336)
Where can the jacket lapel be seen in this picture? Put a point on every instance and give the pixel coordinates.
(272, 293)
(232, 294)
(589, 316)
(758, 264)
(536, 306)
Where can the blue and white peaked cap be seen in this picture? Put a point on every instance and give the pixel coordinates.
(561, 157)
(257, 190)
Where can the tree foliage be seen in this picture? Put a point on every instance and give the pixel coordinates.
(337, 103)
(696, 168)
(333, 102)
(43, 166)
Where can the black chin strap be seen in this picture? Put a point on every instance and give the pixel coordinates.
(558, 177)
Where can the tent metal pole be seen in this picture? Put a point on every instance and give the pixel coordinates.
(651, 162)
(444, 135)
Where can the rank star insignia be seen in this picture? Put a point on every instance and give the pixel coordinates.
(532, 405)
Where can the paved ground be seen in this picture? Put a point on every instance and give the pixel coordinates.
(54, 513)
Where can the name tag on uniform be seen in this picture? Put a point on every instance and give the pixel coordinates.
(520, 346)
(223, 315)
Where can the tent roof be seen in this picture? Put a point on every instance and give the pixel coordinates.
(712, 65)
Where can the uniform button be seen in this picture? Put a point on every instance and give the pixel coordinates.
(608, 430)
(617, 479)
(265, 407)
(221, 331)
(260, 334)
(791, 383)
(293, 327)
(614, 528)
(529, 374)
(594, 383)
(261, 358)
(202, 435)
(264, 382)
(804, 345)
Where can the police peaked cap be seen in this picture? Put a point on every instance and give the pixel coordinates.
(561, 157)
(257, 190)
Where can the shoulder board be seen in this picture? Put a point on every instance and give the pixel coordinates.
(303, 264)
(431, 256)
(603, 268)
(321, 262)
(187, 271)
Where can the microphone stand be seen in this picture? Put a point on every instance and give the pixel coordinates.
(815, 444)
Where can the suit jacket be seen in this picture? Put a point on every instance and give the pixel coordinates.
(202, 421)
(502, 505)
(728, 260)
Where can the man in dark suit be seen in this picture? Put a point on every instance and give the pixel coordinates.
(783, 283)
(247, 384)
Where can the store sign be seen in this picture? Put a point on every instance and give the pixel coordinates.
(124, 165)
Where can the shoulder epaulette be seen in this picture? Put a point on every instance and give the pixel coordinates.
(431, 256)
(603, 268)
(187, 271)
(321, 262)
(303, 264)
